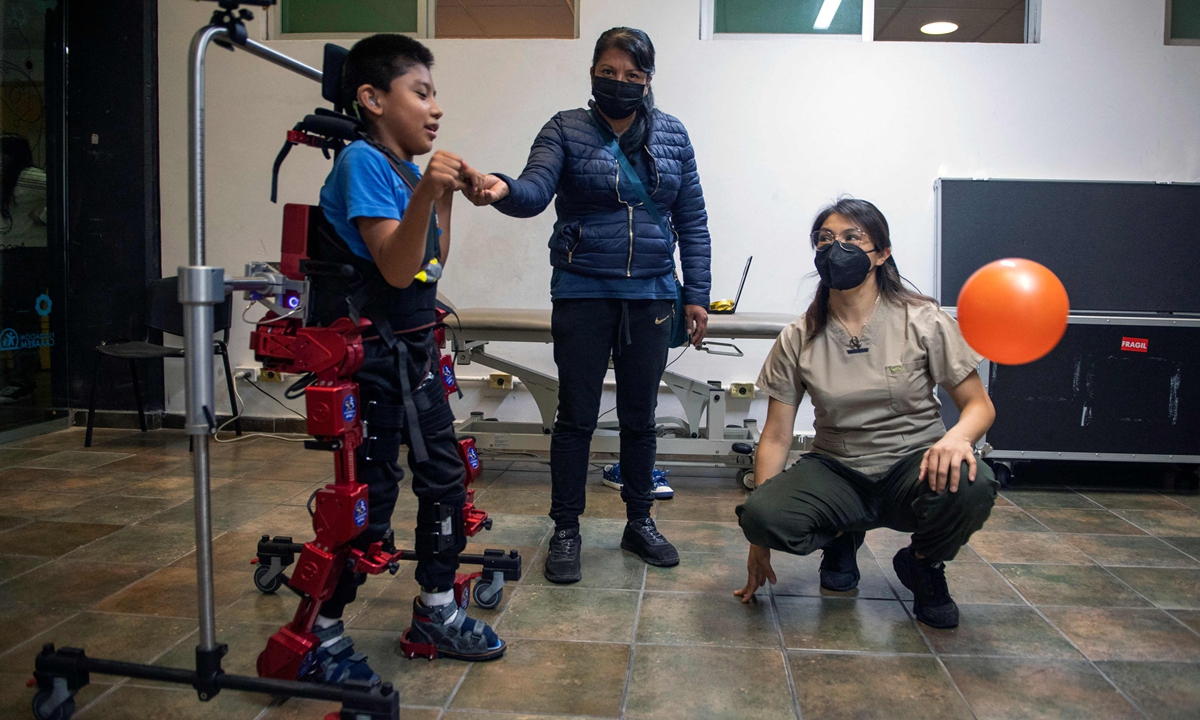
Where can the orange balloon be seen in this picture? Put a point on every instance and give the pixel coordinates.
(1013, 311)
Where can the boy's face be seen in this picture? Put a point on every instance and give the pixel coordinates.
(407, 113)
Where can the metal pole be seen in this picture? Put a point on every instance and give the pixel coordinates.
(283, 61)
(200, 288)
(197, 294)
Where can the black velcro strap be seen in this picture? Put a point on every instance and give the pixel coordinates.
(379, 415)
(432, 407)
(382, 448)
(416, 439)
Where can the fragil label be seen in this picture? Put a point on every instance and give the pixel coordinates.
(360, 513)
(349, 408)
(1130, 344)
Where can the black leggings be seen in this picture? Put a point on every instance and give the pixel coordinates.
(439, 479)
(636, 334)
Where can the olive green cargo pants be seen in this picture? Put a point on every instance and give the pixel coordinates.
(803, 508)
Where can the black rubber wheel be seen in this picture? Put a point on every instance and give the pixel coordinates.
(266, 586)
(745, 478)
(62, 712)
(1004, 474)
(492, 602)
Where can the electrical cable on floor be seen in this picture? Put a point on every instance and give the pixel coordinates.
(242, 409)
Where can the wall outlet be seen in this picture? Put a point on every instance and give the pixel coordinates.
(249, 374)
(266, 376)
(500, 381)
(741, 390)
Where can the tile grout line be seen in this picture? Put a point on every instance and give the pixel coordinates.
(787, 662)
(500, 616)
(637, 617)
(928, 643)
(1066, 637)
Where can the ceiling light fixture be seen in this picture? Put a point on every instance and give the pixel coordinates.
(825, 15)
(939, 28)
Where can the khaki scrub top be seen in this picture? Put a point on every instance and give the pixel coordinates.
(876, 403)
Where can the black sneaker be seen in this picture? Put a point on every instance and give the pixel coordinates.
(562, 564)
(932, 603)
(839, 562)
(643, 539)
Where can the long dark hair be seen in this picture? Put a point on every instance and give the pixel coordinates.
(636, 44)
(16, 156)
(887, 276)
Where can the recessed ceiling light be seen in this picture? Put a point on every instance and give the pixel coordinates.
(939, 28)
(825, 15)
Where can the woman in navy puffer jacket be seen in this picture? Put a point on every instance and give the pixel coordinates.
(613, 283)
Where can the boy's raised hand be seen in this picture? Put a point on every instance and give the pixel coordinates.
(444, 174)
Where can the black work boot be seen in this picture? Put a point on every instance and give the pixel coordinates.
(643, 539)
(932, 603)
(562, 563)
(839, 562)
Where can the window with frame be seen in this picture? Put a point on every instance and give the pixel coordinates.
(430, 18)
(1183, 22)
(985, 21)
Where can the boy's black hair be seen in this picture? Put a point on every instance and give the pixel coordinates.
(378, 60)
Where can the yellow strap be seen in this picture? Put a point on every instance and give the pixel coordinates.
(721, 305)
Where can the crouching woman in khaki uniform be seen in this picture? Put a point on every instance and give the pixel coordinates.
(869, 353)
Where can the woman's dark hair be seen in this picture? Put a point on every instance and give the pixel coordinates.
(887, 276)
(16, 156)
(636, 44)
(378, 60)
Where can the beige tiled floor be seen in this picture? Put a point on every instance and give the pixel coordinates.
(1075, 604)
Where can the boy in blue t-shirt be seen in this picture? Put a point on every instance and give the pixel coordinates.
(395, 223)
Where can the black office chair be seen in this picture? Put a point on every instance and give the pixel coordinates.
(165, 313)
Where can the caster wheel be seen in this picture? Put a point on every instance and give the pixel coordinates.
(746, 478)
(62, 712)
(479, 596)
(1004, 474)
(266, 586)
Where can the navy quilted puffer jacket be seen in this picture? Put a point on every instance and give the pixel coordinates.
(602, 228)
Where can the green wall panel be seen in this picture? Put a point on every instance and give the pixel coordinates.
(1185, 19)
(349, 16)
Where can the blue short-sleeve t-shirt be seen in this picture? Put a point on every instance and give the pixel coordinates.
(363, 184)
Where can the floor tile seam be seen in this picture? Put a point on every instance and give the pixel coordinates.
(929, 643)
(29, 570)
(787, 664)
(1164, 541)
(633, 634)
(1118, 579)
(64, 556)
(1150, 532)
(462, 679)
(1071, 642)
(1178, 621)
(25, 642)
(454, 692)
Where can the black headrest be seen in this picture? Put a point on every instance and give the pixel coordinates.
(331, 125)
(331, 73)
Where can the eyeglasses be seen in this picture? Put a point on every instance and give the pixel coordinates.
(825, 238)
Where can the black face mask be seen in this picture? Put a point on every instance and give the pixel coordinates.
(618, 100)
(843, 266)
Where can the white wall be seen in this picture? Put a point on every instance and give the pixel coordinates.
(781, 125)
